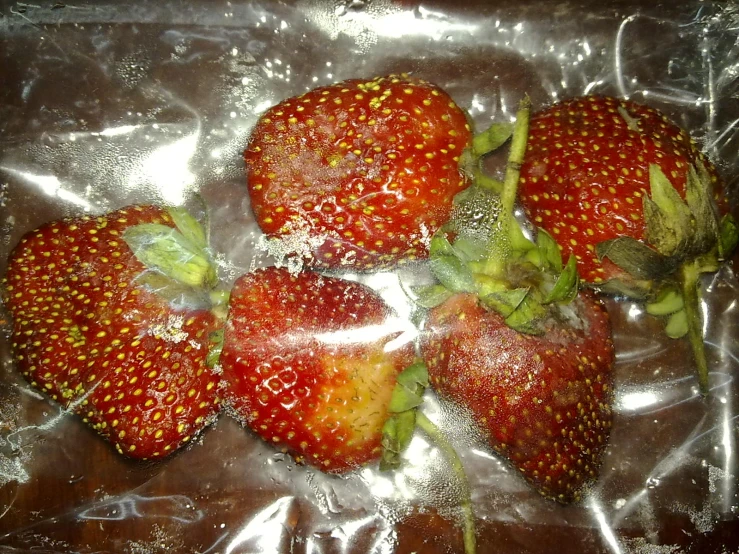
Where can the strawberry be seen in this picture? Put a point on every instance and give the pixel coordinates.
(121, 346)
(629, 194)
(362, 173)
(310, 365)
(511, 340)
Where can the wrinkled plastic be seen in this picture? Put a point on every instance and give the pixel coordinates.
(104, 105)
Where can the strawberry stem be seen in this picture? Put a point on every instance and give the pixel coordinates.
(500, 247)
(440, 440)
(689, 281)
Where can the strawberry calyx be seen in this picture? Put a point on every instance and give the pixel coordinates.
(180, 266)
(398, 431)
(684, 238)
(485, 250)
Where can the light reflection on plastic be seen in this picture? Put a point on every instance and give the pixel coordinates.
(168, 168)
(605, 528)
(635, 401)
(51, 186)
(265, 528)
(406, 23)
(116, 131)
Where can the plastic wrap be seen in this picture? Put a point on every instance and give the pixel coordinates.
(107, 104)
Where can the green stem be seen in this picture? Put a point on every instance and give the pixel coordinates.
(689, 281)
(440, 440)
(496, 259)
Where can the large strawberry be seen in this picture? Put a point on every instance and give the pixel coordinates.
(121, 345)
(629, 194)
(510, 339)
(360, 173)
(311, 365)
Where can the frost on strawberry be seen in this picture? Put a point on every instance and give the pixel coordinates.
(630, 195)
(362, 172)
(311, 364)
(118, 342)
(511, 341)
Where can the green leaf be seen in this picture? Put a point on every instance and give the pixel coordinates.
(452, 273)
(178, 294)
(636, 258)
(505, 302)
(668, 220)
(190, 227)
(549, 250)
(415, 377)
(526, 317)
(728, 236)
(668, 301)
(631, 122)
(677, 325)
(165, 249)
(398, 429)
(430, 296)
(565, 289)
(491, 138)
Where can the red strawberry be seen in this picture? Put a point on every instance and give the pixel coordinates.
(361, 172)
(542, 401)
(586, 173)
(628, 193)
(509, 339)
(310, 367)
(90, 332)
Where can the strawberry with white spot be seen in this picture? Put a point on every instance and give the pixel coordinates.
(120, 345)
(630, 195)
(311, 365)
(364, 172)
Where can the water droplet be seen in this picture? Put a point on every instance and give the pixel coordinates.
(652, 483)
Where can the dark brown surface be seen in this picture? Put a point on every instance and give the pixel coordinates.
(156, 73)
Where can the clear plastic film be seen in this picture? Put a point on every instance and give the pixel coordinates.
(104, 105)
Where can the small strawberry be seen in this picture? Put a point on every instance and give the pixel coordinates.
(310, 365)
(509, 338)
(361, 172)
(122, 346)
(629, 194)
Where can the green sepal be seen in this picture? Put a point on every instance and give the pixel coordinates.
(165, 249)
(636, 258)
(178, 294)
(491, 138)
(399, 427)
(519, 242)
(635, 290)
(469, 250)
(700, 204)
(549, 250)
(677, 325)
(631, 122)
(215, 348)
(452, 273)
(527, 315)
(668, 221)
(484, 181)
(487, 285)
(189, 226)
(566, 287)
(505, 302)
(728, 236)
(668, 301)
(430, 296)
